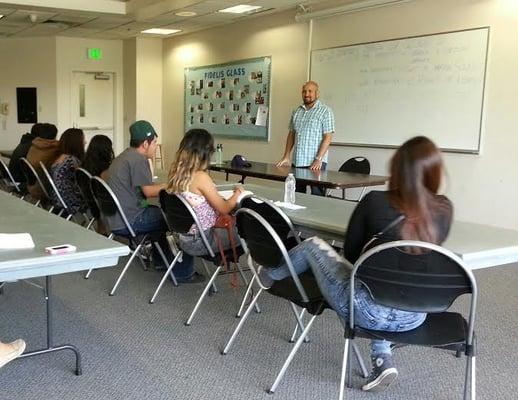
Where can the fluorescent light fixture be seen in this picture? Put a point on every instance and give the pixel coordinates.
(185, 14)
(240, 9)
(160, 31)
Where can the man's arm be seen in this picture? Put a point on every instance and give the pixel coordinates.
(152, 190)
(286, 158)
(322, 150)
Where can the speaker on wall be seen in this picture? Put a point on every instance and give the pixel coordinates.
(27, 104)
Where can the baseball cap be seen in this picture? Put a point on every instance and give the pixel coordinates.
(142, 130)
(238, 161)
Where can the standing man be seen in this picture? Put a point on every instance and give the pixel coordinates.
(130, 178)
(311, 128)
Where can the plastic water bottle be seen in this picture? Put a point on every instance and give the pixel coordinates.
(289, 189)
(219, 154)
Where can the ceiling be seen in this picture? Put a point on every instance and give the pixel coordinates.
(121, 19)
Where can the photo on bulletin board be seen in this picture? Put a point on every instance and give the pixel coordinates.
(229, 100)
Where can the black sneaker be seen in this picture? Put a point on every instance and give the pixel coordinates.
(382, 375)
(194, 278)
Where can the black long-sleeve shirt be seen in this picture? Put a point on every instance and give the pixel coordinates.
(374, 213)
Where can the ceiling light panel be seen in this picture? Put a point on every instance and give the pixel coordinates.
(240, 9)
(161, 31)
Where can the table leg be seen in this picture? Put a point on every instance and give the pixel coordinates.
(50, 348)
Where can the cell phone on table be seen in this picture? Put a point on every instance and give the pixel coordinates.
(61, 249)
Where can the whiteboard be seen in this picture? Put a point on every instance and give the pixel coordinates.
(383, 93)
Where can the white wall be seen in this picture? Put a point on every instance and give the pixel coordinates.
(130, 86)
(149, 83)
(71, 55)
(483, 188)
(27, 62)
(277, 36)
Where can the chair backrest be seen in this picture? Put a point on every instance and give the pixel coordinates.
(83, 178)
(356, 165)
(180, 216)
(264, 245)
(51, 188)
(107, 201)
(7, 177)
(414, 276)
(277, 218)
(31, 176)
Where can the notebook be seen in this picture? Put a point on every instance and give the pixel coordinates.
(227, 194)
(13, 241)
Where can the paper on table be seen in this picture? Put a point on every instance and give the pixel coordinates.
(227, 194)
(11, 241)
(289, 206)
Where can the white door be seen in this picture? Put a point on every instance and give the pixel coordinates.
(93, 103)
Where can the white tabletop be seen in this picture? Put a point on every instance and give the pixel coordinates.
(480, 246)
(18, 216)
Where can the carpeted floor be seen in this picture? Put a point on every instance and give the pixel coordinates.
(134, 350)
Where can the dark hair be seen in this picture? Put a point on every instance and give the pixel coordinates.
(415, 177)
(47, 131)
(99, 155)
(194, 153)
(137, 142)
(35, 130)
(72, 142)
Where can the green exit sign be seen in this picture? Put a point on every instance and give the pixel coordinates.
(95, 53)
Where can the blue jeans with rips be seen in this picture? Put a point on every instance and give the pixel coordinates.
(333, 277)
(151, 222)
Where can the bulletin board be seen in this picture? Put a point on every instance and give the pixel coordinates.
(229, 100)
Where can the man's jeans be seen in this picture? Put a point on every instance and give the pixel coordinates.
(333, 277)
(315, 190)
(151, 222)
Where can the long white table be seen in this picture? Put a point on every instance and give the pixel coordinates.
(480, 246)
(93, 251)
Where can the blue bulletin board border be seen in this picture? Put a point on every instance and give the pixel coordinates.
(225, 98)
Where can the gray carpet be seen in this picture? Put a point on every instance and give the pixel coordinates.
(134, 350)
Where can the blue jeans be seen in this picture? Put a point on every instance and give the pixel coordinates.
(151, 222)
(315, 190)
(333, 277)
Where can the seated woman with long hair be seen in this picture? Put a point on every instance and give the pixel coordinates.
(412, 210)
(99, 155)
(72, 152)
(188, 177)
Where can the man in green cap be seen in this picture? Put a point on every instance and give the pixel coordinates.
(130, 178)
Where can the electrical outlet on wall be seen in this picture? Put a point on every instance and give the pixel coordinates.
(4, 108)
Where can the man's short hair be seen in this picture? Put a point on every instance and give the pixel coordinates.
(47, 131)
(140, 132)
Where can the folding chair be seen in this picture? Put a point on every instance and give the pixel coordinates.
(109, 205)
(355, 165)
(180, 217)
(265, 248)
(32, 178)
(419, 277)
(8, 181)
(83, 178)
(52, 190)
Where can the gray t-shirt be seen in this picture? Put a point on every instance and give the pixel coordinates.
(127, 174)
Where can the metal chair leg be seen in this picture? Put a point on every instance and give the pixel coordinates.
(241, 322)
(359, 358)
(135, 252)
(164, 259)
(202, 296)
(344, 368)
(169, 271)
(245, 281)
(300, 323)
(245, 296)
(291, 355)
(207, 271)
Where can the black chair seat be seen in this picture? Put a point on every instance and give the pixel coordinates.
(229, 256)
(448, 330)
(286, 289)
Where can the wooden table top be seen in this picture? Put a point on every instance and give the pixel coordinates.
(327, 178)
